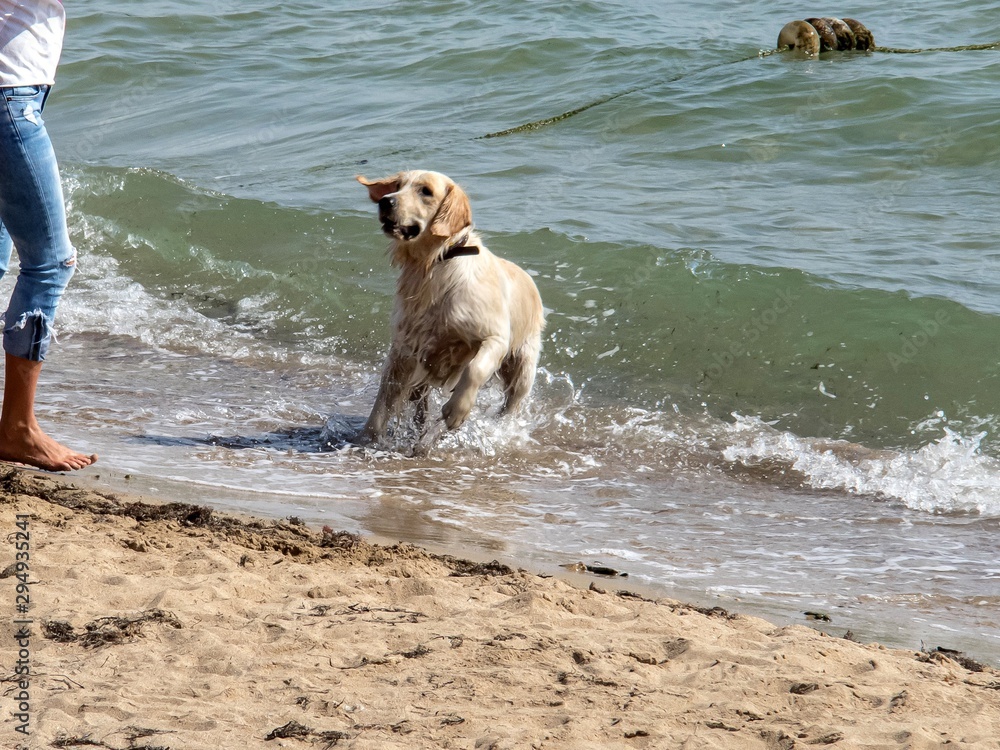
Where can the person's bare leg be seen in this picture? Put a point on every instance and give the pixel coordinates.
(21, 437)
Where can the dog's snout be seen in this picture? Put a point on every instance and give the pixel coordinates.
(387, 214)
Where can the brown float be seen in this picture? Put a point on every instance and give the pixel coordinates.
(816, 35)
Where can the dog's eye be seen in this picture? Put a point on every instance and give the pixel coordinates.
(426, 192)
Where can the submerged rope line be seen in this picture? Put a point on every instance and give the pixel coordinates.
(538, 124)
(551, 120)
(963, 48)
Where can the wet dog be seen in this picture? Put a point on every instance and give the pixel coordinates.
(461, 314)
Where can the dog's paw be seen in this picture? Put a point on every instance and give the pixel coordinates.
(365, 438)
(455, 412)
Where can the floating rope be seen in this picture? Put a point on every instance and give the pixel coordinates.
(537, 124)
(963, 48)
(552, 120)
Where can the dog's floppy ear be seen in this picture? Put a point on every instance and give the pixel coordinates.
(378, 189)
(454, 214)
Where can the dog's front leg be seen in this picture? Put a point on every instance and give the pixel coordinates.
(396, 378)
(475, 375)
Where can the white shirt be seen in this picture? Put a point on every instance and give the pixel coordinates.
(31, 36)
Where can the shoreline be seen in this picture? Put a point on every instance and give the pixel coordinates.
(173, 625)
(895, 629)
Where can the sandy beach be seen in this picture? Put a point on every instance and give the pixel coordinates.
(171, 626)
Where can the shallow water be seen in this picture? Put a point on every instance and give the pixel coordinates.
(770, 373)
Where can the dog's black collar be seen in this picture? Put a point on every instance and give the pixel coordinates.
(460, 248)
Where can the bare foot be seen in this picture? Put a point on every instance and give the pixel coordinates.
(21, 438)
(33, 447)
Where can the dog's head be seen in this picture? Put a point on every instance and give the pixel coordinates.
(416, 206)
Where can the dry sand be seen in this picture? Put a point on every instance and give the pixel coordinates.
(169, 626)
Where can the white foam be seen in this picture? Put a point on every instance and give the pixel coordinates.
(950, 474)
(103, 299)
(621, 554)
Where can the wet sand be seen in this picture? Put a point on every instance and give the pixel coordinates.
(172, 626)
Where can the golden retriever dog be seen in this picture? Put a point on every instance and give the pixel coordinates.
(461, 314)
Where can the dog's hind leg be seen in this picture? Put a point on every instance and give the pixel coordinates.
(517, 372)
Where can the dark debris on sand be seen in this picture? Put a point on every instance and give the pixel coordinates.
(469, 568)
(88, 741)
(107, 631)
(295, 730)
(939, 654)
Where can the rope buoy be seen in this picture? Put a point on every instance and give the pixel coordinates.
(815, 35)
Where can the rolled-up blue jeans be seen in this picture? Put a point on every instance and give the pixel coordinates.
(33, 217)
